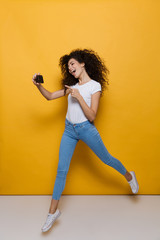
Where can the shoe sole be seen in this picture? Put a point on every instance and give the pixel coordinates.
(51, 224)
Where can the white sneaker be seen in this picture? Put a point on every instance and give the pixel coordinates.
(51, 218)
(133, 183)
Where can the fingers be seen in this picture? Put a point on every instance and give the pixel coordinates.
(37, 84)
(34, 77)
(68, 87)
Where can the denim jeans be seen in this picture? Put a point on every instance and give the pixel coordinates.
(87, 132)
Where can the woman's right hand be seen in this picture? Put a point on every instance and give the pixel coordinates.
(33, 79)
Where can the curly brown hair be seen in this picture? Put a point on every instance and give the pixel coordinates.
(94, 66)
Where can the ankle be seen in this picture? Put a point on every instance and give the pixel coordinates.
(52, 211)
(128, 176)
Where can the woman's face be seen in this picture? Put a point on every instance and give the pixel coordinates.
(75, 68)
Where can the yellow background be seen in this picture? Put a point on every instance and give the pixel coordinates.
(34, 35)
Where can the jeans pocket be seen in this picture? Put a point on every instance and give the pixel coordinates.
(85, 125)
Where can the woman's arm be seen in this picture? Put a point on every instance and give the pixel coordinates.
(90, 112)
(49, 95)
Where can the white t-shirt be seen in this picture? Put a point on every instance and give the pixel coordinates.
(75, 113)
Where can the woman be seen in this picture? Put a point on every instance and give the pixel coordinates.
(84, 78)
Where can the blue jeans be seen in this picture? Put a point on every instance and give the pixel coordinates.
(87, 132)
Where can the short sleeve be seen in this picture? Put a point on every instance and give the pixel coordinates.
(96, 87)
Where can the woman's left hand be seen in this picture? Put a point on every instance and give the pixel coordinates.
(74, 92)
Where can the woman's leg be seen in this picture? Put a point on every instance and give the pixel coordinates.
(67, 146)
(93, 139)
(53, 206)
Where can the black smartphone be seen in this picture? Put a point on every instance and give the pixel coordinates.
(39, 79)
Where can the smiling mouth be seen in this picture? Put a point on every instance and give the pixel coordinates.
(73, 71)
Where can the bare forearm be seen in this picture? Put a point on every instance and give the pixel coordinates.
(44, 92)
(89, 113)
(50, 95)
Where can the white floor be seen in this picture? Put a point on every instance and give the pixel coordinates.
(91, 217)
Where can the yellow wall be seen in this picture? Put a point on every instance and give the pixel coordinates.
(34, 35)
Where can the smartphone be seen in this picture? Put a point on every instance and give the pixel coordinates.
(39, 79)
